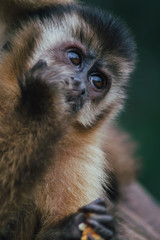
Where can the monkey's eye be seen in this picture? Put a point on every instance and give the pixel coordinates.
(97, 81)
(75, 58)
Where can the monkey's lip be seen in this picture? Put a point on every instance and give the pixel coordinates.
(75, 97)
(76, 93)
(77, 102)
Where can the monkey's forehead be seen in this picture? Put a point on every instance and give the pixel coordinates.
(92, 27)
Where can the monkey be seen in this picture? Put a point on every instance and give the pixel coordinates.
(64, 70)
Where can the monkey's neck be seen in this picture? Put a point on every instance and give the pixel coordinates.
(75, 178)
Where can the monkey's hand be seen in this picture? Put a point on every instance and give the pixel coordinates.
(45, 89)
(99, 224)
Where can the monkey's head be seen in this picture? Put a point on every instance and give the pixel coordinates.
(87, 45)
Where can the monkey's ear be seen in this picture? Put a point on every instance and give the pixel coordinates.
(11, 10)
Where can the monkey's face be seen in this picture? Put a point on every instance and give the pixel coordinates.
(77, 62)
(88, 46)
(89, 73)
(95, 50)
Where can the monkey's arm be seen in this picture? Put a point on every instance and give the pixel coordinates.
(94, 215)
(24, 225)
(30, 126)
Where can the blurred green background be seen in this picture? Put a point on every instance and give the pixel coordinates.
(141, 117)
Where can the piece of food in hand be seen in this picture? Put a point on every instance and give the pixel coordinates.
(88, 230)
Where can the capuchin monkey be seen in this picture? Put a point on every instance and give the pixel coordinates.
(64, 68)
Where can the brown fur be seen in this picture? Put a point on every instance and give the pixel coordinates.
(52, 167)
(18, 135)
(73, 187)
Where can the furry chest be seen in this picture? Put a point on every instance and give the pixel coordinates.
(75, 179)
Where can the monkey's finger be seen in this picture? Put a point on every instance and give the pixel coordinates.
(103, 219)
(100, 230)
(41, 64)
(72, 229)
(89, 237)
(91, 208)
(35, 71)
(100, 201)
(79, 218)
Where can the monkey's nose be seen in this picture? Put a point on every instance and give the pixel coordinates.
(78, 87)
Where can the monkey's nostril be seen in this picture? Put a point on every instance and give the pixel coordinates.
(83, 91)
(77, 82)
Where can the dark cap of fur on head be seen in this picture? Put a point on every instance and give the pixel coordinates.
(111, 32)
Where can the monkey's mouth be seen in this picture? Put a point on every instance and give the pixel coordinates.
(76, 102)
